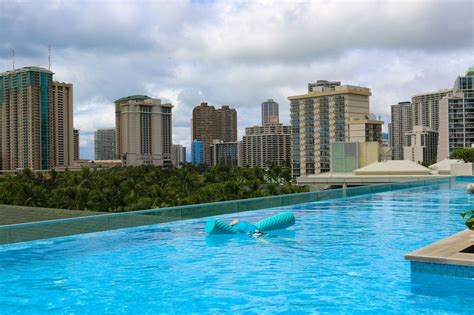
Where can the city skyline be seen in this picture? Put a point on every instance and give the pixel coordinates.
(199, 60)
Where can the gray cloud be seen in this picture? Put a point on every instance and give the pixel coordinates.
(236, 53)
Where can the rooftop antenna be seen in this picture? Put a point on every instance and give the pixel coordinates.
(49, 57)
(13, 58)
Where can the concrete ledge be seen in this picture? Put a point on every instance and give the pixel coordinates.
(447, 251)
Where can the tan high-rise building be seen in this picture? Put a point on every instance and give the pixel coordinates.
(266, 145)
(320, 118)
(63, 134)
(226, 122)
(143, 131)
(209, 124)
(35, 120)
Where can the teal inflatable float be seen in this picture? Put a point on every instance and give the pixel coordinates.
(276, 222)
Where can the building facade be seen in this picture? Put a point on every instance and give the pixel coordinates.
(178, 155)
(209, 124)
(320, 118)
(366, 129)
(425, 109)
(422, 145)
(224, 153)
(143, 131)
(400, 125)
(270, 112)
(35, 120)
(456, 112)
(348, 156)
(76, 144)
(104, 144)
(265, 145)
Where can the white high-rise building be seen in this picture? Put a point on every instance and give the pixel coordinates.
(421, 145)
(178, 155)
(456, 113)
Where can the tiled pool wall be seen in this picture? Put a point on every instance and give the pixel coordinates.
(71, 226)
(443, 269)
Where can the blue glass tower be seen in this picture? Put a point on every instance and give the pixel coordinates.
(197, 152)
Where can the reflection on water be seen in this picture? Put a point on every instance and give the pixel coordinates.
(431, 284)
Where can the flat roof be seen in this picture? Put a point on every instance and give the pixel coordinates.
(343, 89)
(26, 69)
(394, 167)
(133, 97)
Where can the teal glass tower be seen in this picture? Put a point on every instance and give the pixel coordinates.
(27, 138)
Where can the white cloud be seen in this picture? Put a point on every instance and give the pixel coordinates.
(236, 52)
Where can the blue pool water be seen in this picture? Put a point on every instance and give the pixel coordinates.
(348, 259)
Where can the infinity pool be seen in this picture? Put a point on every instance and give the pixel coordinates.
(346, 257)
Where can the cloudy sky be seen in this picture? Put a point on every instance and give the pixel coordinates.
(237, 53)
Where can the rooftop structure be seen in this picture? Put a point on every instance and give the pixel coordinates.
(444, 167)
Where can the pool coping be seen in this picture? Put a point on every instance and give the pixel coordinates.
(446, 251)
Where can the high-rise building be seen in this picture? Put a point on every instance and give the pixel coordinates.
(400, 125)
(226, 123)
(76, 144)
(421, 145)
(366, 129)
(143, 130)
(456, 114)
(178, 155)
(197, 152)
(425, 109)
(319, 118)
(104, 144)
(63, 124)
(266, 145)
(35, 120)
(224, 153)
(270, 112)
(209, 124)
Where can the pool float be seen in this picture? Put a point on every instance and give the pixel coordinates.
(276, 222)
(470, 188)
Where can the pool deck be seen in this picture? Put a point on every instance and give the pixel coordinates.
(447, 251)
